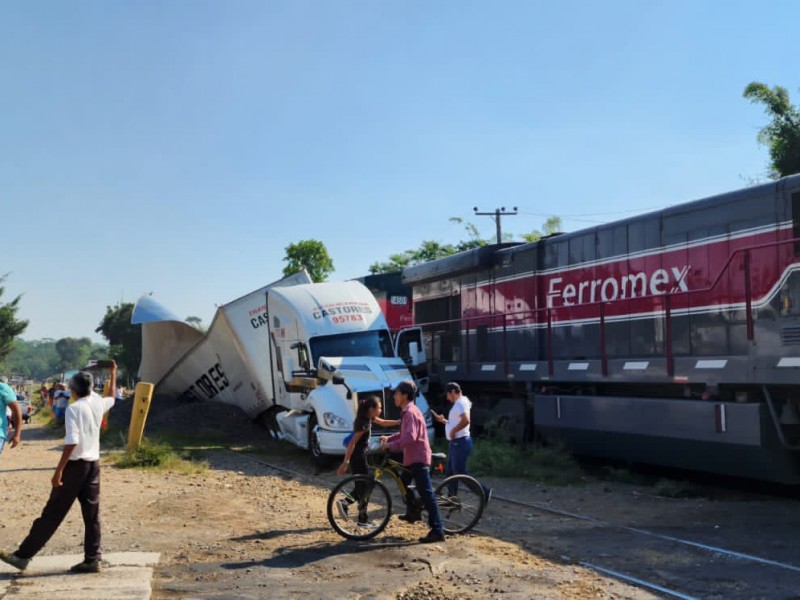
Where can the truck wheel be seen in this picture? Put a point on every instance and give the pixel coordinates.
(318, 459)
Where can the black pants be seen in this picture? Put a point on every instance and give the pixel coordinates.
(358, 466)
(81, 481)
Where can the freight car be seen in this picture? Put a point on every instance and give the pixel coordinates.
(670, 338)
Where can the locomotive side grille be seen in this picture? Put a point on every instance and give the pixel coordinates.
(790, 336)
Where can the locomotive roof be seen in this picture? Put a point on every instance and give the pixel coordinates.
(487, 256)
(449, 266)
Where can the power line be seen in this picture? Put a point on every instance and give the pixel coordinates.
(498, 212)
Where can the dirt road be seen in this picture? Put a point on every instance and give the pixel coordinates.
(247, 531)
(244, 530)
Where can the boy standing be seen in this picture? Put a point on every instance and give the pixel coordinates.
(413, 441)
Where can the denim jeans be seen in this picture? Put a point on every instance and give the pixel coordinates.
(421, 474)
(457, 457)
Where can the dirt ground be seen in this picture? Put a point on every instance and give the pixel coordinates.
(244, 530)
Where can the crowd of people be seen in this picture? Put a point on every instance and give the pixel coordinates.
(77, 475)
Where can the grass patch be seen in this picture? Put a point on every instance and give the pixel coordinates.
(44, 416)
(159, 456)
(546, 464)
(623, 475)
(671, 488)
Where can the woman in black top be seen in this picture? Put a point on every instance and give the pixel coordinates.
(355, 456)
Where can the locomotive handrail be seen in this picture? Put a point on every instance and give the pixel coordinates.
(664, 299)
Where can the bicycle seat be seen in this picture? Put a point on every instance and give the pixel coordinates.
(439, 456)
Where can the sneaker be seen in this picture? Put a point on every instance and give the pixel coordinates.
(410, 517)
(87, 566)
(432, 537)
(489, 496)
(12, 559)
(365, 524)
(341, 506)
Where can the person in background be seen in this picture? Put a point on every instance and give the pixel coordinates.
(60, 402)
(413, 441)
(8, 401)
(77, 477)
(456, 429)
(51, 395)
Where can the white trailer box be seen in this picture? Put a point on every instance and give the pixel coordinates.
(228, 364)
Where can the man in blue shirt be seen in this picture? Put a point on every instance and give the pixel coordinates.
(8, 399)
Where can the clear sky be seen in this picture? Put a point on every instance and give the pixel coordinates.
(177, 147)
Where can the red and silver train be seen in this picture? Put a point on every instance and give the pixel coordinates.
(670, 338)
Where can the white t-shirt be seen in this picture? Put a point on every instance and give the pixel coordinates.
(61, 399)
(82, 422)
(460, 407)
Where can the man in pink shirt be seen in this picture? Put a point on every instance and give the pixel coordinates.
(413, 441)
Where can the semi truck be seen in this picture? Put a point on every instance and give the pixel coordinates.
(294, 355)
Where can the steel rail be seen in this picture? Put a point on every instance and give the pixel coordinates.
(638, 582)
(645, 532)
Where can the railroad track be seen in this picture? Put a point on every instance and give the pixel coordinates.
(700, 561)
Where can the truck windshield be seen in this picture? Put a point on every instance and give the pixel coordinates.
(362, 343)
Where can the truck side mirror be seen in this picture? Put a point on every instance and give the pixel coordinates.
(338, 379)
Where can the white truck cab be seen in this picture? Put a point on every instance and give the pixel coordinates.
(330, 346)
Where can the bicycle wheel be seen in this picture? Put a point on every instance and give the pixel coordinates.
(359, 507)
(460, 512)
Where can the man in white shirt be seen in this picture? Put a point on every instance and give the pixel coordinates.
(456, 430)
(77, 476)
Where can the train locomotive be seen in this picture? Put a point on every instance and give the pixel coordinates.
(670, 338)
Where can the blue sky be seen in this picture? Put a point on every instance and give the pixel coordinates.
(177, 147)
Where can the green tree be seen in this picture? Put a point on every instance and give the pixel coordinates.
(782, 134)
(431, 250)
(124, 338)
(34, 360)
(10, 326)
(551, 225)
(311, 255)
(73, 352)
(196, 322)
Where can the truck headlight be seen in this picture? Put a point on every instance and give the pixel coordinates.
(335, 421)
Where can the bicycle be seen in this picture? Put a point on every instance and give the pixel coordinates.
(371, 502)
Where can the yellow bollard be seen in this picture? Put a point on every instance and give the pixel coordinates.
(141, 405)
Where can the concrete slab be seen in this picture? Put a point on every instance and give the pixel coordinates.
(125, 576)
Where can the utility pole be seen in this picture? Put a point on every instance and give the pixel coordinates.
(498, 212)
